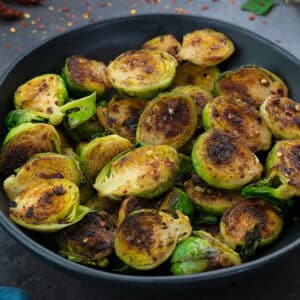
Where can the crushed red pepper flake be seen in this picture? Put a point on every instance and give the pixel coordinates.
(252, 17)
(204, 7)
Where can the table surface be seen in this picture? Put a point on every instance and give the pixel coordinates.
(21, 268)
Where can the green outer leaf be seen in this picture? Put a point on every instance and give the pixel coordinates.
(259, 7)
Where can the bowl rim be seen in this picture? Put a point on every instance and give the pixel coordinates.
(97, 274)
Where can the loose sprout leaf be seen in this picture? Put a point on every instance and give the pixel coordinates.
(259, 7)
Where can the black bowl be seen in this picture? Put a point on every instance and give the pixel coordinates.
(105, 40)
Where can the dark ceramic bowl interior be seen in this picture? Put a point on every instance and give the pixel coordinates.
(104, 41)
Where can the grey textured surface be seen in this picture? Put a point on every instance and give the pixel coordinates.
(21, 268)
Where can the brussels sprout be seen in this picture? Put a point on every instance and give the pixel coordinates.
(167, 43)
(177, 199)
(87, 131)
(282, 115)
(44, 93)
(48, 206)
(250, 224)
(206, 47)
(212, 201)
(145, 172)
(132, 204)
(41, 166)
(239, 118)
(121, 116)
(190, 74)
(169, 119)
(79, 111)
(100, 151)
(89, 241)
(148, 237)
(24, 141)
(222, 161)
(142, 73)
(20, 116)
(200, 97)
(84, 76)
(282, 170)
(200, 253)
(251, 84)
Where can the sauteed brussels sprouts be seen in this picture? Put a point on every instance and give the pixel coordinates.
(134, 178)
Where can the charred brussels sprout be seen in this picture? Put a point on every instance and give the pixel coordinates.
(200, 253)
(148, 237)
(100, 151)
(84, 76)
(79, 111)
(142, 73)
(282, 178)
(250, 224)
(239, 118)
(20, 116)
(48, 206)
(44, 93)
(222, 161)
(145, 172)
(167, 43)
(200, 97)
(89, 241)
(41, 166)
(210, 200)
(282, 115)
(121, 116)
(190, 74)
(24, 141)
(169, 119)
(177, 199)
(251, 84)
(206, 47)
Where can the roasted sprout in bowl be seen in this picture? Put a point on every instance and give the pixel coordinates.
(152, 162)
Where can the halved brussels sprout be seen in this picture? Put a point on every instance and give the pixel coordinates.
(167, 43)
(190, 74)
(250, 224)
(44, 93)
(122, 116)
(282, 178)
(132, 204)
(48, 206)
(240, 119)
(200, 96)
(148, 237)
(25, 140)
(206, 47)
(200, 253)
(89, 241)
(79, 111)
(222, 161)
(177, 199)
(142, 73)
(282, 115)
(41, 166)
(20, 116)
(87, 131)
(145, 172)
(169, 119)
(251, 84)
(84, 76)
(210, 200)
(100, 151)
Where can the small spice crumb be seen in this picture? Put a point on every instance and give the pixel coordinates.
(41, 26)
(252, 17)
(27, 16)
(51, 8)
(264, 22)
(204, 7)
(7, 46)
(12, 29)
(69, 24)
(278, 41)
(133, 11)
(33, 22)
(85, 16)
